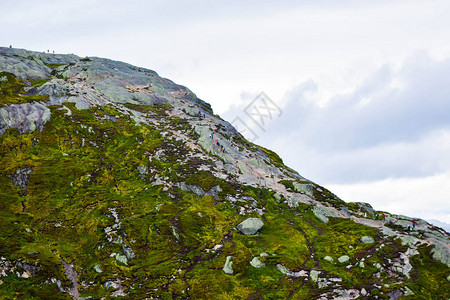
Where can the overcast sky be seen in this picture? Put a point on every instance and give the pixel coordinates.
(363, 86)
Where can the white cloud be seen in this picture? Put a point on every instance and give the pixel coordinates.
(426, 198)
(376, 131)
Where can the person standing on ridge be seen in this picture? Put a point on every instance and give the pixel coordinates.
(212, 135)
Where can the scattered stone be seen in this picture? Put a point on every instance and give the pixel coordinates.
(227, 268)
(143, 171)
(367, 239)
(97, 269)
(277, 197)
(283, 269)
(328, 258)
(128, 251)
(264, 254)
(122, 259)
(363, 292)
(250, 226)
(110, 284)
(257, 263)
(343, 259)
(377, 265)
(361, 264)
(408, 292)
(314, 275)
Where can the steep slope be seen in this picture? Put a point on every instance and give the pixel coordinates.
(111, 185)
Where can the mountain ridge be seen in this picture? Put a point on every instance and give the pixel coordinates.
(129, 151)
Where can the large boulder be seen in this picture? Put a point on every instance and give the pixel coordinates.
(250, 226)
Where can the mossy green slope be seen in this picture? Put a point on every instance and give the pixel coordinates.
(122, 200)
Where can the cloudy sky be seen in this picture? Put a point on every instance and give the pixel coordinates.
(363, 86)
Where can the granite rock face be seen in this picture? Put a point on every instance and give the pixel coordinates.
(25, 117)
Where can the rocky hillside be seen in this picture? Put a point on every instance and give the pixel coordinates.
(112, 186)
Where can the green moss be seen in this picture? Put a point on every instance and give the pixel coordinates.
(204, 179)
(275, 159)
(12, 90)
(428, 276)
(54, 66)
(158, 109)
(40, 82)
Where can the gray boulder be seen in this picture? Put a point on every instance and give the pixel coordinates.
(122, 258)
(250, 226)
